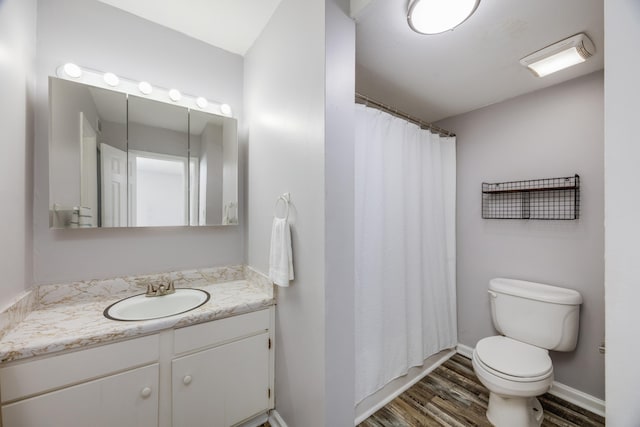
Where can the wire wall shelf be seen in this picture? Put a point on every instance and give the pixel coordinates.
(547, 199)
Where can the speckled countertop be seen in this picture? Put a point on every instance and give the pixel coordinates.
(69, 316)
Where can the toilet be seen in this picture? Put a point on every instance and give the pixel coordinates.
(515, 366)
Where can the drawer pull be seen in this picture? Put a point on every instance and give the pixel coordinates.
(146, 392)
(187, 380)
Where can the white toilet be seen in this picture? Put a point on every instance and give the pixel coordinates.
(532, 318)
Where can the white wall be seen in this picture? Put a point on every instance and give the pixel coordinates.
(17, 54)
(554, 132)
(98, 36)
(284, 102)
(622, 204)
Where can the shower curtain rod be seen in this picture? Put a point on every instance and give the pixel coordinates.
(362, 99)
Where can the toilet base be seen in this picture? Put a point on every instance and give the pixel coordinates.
(514, 411)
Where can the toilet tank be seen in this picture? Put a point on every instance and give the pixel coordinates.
(541, 315)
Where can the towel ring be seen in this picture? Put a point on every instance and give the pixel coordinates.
(285, 199)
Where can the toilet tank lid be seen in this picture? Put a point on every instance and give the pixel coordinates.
(535, 291)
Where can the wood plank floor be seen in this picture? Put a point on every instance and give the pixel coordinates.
(452, 396)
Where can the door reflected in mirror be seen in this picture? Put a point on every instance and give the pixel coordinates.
(158, 164)
(120, 160)
(84, 119)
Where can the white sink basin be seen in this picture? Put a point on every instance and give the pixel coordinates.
(142, 307)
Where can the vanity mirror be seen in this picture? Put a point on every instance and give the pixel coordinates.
(119, 160)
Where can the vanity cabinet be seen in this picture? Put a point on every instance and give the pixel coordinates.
(224, 376)
(129, 399)
(223, 385)
(214, 374)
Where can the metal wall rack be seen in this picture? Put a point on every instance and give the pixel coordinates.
(547, 199)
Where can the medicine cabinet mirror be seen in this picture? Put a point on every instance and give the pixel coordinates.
(118, 160)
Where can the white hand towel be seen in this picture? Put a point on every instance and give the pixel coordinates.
(281, 256)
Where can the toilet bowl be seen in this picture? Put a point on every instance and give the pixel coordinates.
(515, 373)
(515, 366)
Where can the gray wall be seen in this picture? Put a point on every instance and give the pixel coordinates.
(101, 37)
(550, 133)
(17, 54)
(284, 102)
(299, 99)
(339, 217)
(622, 204)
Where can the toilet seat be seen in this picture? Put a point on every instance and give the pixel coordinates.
(513, 360)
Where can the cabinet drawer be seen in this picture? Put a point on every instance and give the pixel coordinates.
(219, 331)
(34, 377)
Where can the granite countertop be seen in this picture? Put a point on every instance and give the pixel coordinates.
(70, 316)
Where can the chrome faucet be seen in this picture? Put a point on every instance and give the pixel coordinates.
(160, 290)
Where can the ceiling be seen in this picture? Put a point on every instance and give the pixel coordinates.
(431, 77)
(232, 25)
(477, 64)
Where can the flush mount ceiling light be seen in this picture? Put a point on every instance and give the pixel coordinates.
(559, 56)
(438, 16)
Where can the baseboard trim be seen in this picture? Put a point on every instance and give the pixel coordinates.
(276, 420)
(446, 356)
(578, 398)
(465, 350)
(570, 394)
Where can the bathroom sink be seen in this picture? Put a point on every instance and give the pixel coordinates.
(142, 307)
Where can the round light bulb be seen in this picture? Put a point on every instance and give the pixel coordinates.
(145, 88)
(111, 79)
(175, 95)
(72, 70)
(202, 102)
(225, 109)
(438, 16)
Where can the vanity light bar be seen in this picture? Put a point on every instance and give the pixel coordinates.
(111, 81)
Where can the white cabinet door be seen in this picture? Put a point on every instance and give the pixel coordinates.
(222, 386)
(126, 399)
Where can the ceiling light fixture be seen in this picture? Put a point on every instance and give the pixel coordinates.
(559, 56)
(438, 16)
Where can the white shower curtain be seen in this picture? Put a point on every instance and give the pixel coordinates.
(405, 247)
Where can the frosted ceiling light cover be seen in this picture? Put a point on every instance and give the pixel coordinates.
(557, 62)
(111, 79)
(559, 56)
(145, 88)
(175, 95)
(72, 70)
(225, 109)
(202, 102)
(438, 16)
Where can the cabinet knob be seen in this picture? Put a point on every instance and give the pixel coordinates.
(187, 380)
(146, 392)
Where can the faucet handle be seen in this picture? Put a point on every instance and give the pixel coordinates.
(171, 287)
